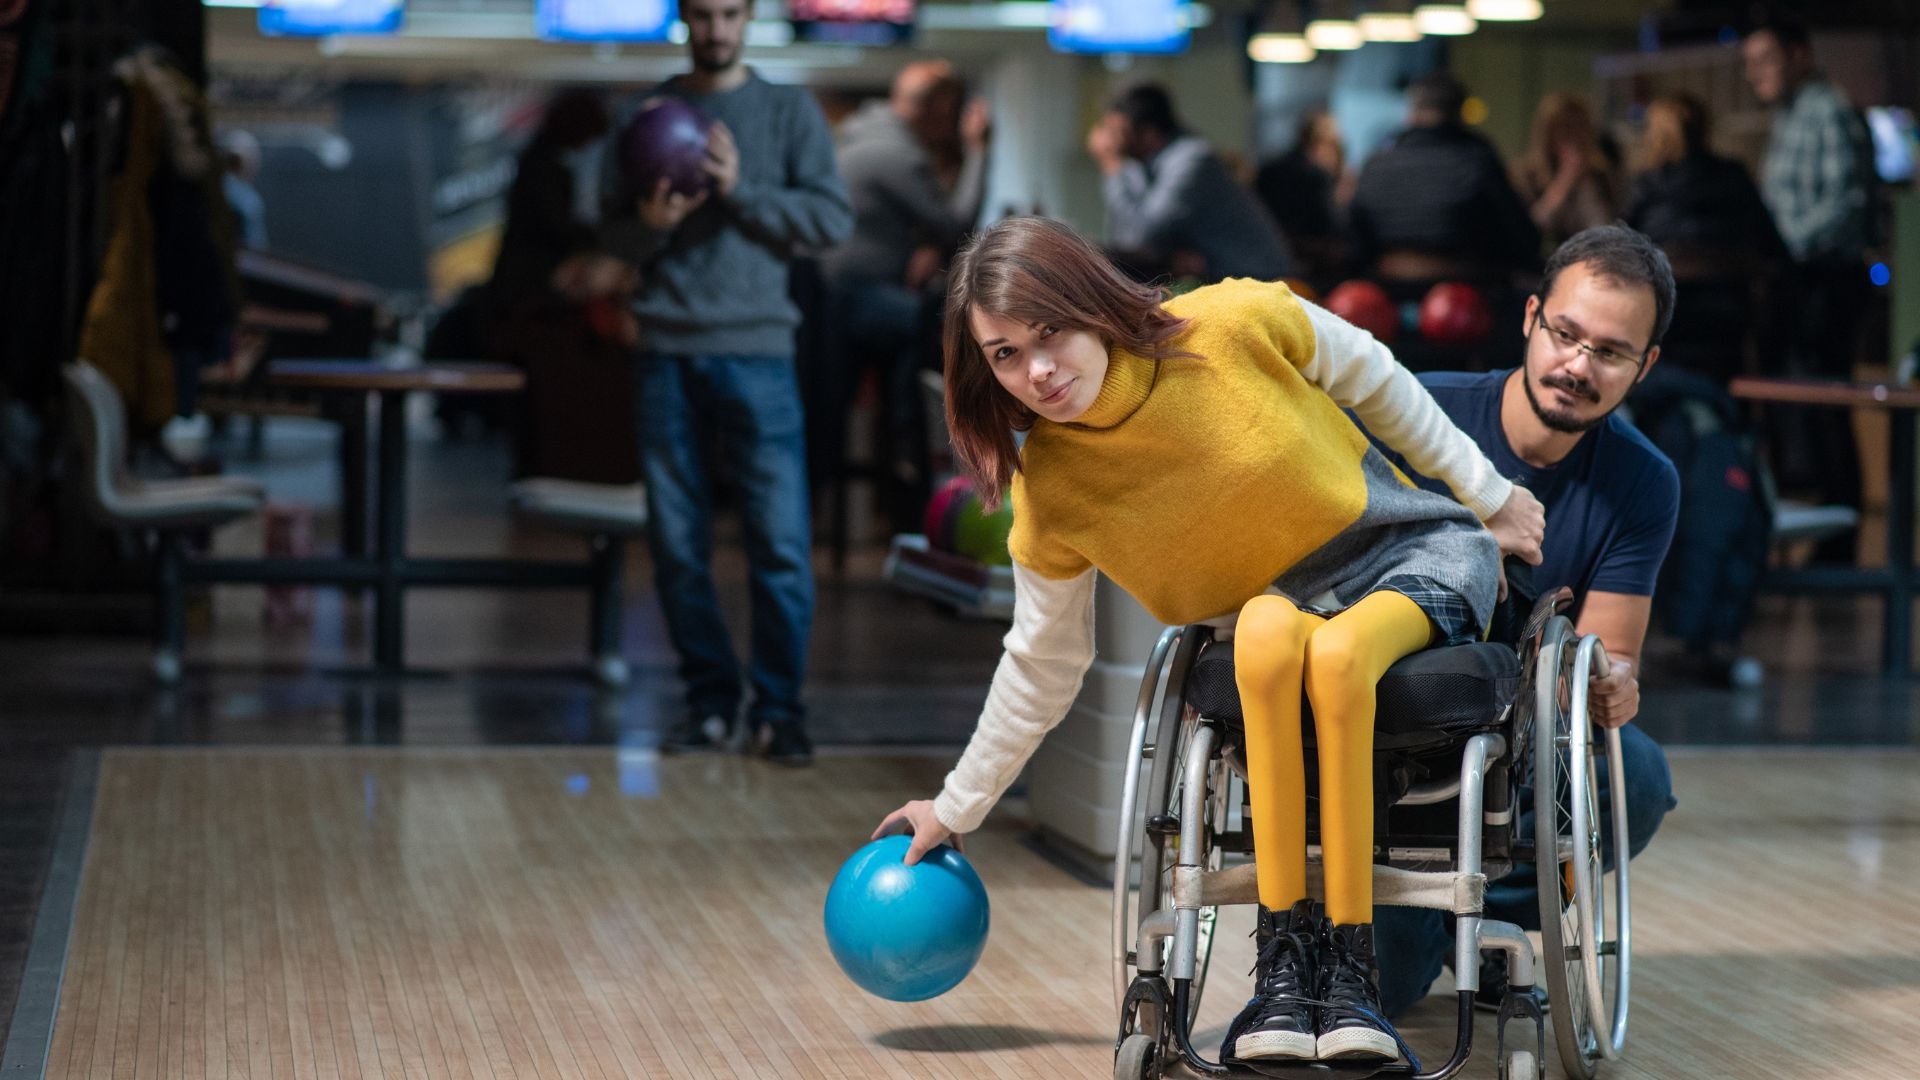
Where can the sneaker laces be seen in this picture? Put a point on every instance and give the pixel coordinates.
(1279, 990)
(1348, 988)
(1272, 956)
(1349, 993)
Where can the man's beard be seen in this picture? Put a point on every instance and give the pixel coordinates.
(1558, 420)
(716, 57)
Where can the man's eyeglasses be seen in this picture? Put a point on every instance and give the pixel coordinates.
(1609, 360)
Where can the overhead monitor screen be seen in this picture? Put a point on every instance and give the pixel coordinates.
(852, 22)
(1119, 26)
(604, 20)
(330, 16)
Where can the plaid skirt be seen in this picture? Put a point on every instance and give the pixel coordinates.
(1452, 616)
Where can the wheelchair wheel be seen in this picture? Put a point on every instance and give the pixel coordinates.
(1520, 1065)
(1138, 1059)
(1170, 780)
(1583, 936)
(1171, 726)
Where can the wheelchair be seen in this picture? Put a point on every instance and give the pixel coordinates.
(1460, 732)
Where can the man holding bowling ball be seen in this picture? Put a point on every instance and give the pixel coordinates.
(715, 368)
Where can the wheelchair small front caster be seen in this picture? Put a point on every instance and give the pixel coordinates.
(1520, 1065)
(1138, 1059)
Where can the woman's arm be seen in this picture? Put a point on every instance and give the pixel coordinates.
(1359, 373)
(1047, 654)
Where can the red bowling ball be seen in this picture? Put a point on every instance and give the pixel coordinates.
(1366, 306)
(1454, 313)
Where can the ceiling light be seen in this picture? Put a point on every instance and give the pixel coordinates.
(1388, 26)
(1334, 34)
(1279, 49)
(1504, 10)
(1444, 20)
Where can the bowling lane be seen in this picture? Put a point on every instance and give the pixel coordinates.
(535, 912)
(604, 913)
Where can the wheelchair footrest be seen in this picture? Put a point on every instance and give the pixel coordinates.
(1462, 894)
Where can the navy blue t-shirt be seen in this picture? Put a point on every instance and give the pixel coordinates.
(1611, 503)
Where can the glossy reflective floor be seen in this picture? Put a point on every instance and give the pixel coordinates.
(506, 669)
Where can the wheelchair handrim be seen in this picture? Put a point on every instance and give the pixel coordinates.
(1579, 933)
(1566, 983)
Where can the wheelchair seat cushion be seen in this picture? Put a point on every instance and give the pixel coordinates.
(1428, 698)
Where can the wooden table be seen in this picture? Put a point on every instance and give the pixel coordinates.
(390, 571)
(1895, 581)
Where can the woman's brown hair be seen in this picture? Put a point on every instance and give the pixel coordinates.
(1560, 117)
(1676, 129)
(1041, 273)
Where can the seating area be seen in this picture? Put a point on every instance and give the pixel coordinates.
(160, 511)
(165, 512)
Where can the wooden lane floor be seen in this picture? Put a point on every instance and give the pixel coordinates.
(563, 913)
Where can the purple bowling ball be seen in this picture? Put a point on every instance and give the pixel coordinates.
(667, 138)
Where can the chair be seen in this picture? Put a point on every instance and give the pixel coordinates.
(161, 509)
(606, 514)
(1800, 522)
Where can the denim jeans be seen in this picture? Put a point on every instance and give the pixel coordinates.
(748, 409)
(1412, 943)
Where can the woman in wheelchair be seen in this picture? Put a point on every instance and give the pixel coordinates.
(1195, 451)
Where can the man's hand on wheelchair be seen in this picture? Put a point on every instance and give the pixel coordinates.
(1520, 525)
(917, 817)
(1613, 699)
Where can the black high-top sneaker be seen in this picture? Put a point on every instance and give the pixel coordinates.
(1279, 1020)
(1351, 1027)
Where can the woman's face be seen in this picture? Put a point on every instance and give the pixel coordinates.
(1056, 373)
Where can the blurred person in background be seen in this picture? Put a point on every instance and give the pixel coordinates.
(1565, 176)
(907, 219)
(529, 313)
(242, 153)
(1706, 213)
(1172, 205)
(1436, 202)
(1817, 179)
(545, 225)
(1305, 190)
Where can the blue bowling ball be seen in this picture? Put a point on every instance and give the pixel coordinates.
(906, 933)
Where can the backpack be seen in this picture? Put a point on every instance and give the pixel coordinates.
(1713, 569)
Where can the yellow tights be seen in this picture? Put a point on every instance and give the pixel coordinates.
(1280, 655)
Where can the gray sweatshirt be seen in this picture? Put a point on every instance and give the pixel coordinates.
(717, 284)
(1186, 198)
(898, 201)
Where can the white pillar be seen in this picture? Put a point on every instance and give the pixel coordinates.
(1039, 157)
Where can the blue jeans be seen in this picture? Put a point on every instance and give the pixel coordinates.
(1412, 943)
(748, 408)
